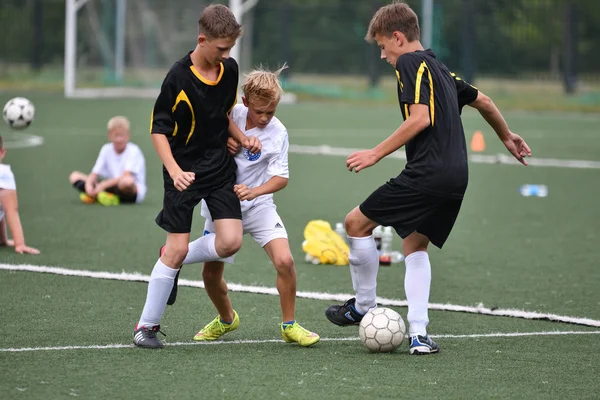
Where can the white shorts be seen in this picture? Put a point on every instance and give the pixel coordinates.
(262, 223)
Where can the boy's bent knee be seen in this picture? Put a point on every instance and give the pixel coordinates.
(284, 264)
(357, 224)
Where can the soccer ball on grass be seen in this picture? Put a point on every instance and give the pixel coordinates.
(18, 113)
(382, 330)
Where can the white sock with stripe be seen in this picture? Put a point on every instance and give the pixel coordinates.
(159, 289)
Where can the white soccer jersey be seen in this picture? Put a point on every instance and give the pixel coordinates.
(111, 165)
(255, 169)
(7, 181)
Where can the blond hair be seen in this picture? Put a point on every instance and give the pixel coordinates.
(218, 22)
(263, 84)
(397, 16)
(118, 122)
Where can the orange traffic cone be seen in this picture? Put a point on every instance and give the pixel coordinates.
(478, 142)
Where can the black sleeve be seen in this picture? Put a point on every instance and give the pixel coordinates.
(231, 66)
(415, 80)
(163, 120)
(467, 93)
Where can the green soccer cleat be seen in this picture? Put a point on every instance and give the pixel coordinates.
(296, 333)
(87, 199)
(216, 328)
(108, 199)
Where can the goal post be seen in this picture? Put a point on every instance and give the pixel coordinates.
(123, 48)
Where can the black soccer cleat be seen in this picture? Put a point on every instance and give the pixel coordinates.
(146, 337)
(421, 345)
(345, 314)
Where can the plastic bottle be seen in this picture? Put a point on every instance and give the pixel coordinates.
(534, 190)
(377, 232)
(385, 257)
(339, 229)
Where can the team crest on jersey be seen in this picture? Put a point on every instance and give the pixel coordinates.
(251, 156)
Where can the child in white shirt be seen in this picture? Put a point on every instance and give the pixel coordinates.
(9, 210)
(122, 166)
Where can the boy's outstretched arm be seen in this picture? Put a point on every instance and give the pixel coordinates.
(414, 124)
(8, 199)
(181, 179)
(513, 142)
(273, 185)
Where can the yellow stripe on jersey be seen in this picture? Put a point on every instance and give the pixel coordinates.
(204, 80)
(431, 98)
(182, 97)
(418, 81)
(406, 113)
(420, 72)
(458, 79)
(399, 81)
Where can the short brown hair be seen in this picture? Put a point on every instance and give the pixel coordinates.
(263, 84)
(397, 16)
(217, 22)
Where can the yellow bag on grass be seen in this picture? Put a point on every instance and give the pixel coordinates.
(324, 244)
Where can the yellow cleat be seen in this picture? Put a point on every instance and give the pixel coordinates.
(216, 328)
(296, 333)
(108, 199)
(85, 198)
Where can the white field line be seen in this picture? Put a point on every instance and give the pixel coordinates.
(500, 158)
(342, 339)
(337, 297)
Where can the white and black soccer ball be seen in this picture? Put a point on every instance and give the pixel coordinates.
(382, 330)
(18, 113)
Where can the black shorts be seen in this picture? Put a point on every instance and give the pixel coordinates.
(178, 207)
(407, 210)
(123, 197)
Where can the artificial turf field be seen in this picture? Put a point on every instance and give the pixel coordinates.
(67, 336)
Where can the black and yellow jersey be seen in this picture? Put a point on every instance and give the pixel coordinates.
(192, 112)
(437, 156)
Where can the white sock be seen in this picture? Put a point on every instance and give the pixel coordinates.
(159, 289)
(364, 265)
(417, 282)
(202, 250)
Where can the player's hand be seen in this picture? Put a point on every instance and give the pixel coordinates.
(252, 144)
(90, 189)
(182, 180)
(22, 249)
(243, 192)
(517, 147)
(233, 146)
(361, 160)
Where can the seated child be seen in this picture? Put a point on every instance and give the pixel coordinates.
(120, 164)
(9, 210)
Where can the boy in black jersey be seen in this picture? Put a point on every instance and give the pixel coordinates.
(190, 127)
(421, 203)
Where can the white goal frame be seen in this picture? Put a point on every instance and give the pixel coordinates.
(238, 7)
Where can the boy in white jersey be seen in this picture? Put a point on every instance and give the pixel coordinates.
(122, 166)
(9, 210)
(259, 175)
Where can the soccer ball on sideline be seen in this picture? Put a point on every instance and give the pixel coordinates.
(18, 113)
(382, 330)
